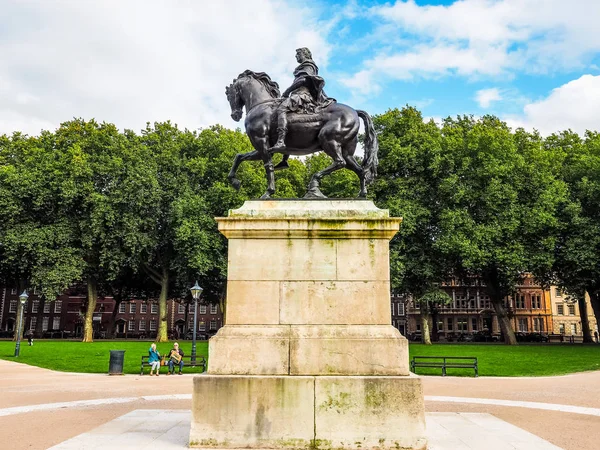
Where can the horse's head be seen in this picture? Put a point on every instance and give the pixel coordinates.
(235, 100)
(255, 87)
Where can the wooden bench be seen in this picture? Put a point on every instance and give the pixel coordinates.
(445, 362)
(187, 362)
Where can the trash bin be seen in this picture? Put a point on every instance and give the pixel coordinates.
(115, 364)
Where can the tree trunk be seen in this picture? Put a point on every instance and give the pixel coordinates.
(434, 323)
(504, 322)
(39, 324)
(585, 322)
(162, 335)
(223, 305)
(425, 324)
(110, 332)
(88, 326)
(595, 301)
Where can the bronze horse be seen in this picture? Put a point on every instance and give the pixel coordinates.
(333, 129)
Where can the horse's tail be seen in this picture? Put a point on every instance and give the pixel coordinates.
(370, 161)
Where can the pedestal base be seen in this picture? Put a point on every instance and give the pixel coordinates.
(308, 412)
(308, 350)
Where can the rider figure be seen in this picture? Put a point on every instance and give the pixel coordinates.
(305, 95)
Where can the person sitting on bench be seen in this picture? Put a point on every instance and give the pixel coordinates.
(175, 357)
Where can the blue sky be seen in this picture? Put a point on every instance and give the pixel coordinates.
(534, 63)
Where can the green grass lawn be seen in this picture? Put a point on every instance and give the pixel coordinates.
(494, 360)
(72, 356)
(514, 361)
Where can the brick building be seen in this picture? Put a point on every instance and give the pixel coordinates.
(64, 317)
(530, 308)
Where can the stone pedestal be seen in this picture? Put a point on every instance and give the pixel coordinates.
(308, 357)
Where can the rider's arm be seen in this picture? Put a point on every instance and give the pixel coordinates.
(298, 82)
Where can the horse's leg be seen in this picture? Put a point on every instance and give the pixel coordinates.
(283, 164)
(333, 148)
(239, 158)
(348, 154)
(261, 144)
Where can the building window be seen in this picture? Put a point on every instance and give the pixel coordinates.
(573, 328)
(418, 328)
(153, 325)
(13, 291)
(462, 324)
(213, 325)
(12, 307)
(523, 325)
(401, 308)
(202, 326)
(393, 309)
(32, 323)
(35, 305)
(131, 325)
(132, 308)
(143, 308)
(142, 326)
(45, 323)
(153, 308)
(190, 323)
(520, 302)
(450, 324)
(56, 323)
(180, 309)
(560, 310)
(571, 310)
(537, 302)
(558, 292)
(57, 306)
(561, 328)
(474, 323)
(440, 325)
(121, 308)
(214, 309)
(46, 307)
(202, 309)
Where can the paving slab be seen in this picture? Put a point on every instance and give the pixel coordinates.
(169, 429)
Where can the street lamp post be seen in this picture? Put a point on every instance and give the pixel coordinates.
(196, 291)
(22, 298)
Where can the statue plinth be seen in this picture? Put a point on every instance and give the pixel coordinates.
(308, 357)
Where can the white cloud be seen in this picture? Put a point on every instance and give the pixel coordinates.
(483, 38)
(485, 97)
(142, 60)
(574, 105)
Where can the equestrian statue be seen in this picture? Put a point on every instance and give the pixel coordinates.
(302, 121)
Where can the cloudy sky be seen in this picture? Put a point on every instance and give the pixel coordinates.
(534, 63)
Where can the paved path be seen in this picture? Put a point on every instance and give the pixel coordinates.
(22, 386)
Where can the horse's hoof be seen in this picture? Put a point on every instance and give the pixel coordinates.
(314, 193)
(362, 194)
(282, 165)
(235, 183)
(265, 196)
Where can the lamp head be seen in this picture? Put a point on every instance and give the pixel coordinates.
(196, 291)
(23, 297)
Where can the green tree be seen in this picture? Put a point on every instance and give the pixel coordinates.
(191, 190)
(577, 262)
(501, 197)
(37, 249)
(109, 194)
(410, 172)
